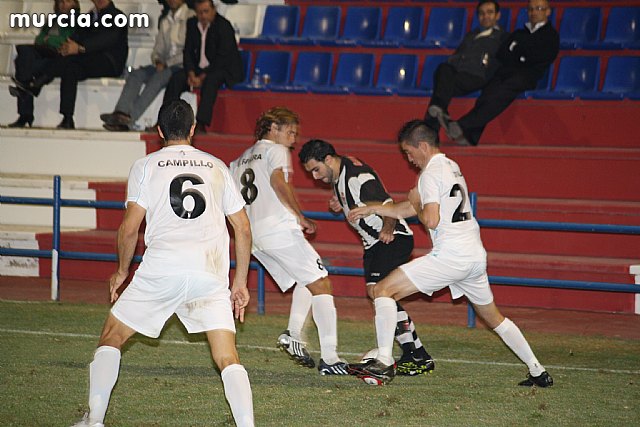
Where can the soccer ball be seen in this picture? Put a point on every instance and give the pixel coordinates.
(371, 354)
(371, 381)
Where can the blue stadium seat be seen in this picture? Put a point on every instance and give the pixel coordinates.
(579, 25)
(621, 80)
(397, 71)
(404, 24)
(504, 21)
(523, 18)
(623, 30)
(354, 70)
(320, 23)
(544, 84)
(280, 22)
(425, 86)
(313, 69)
(361, 24)
(276, 64)
(577, 75)
(446, 28)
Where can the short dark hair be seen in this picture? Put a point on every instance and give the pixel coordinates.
(416, 131)
(175, 120)
(278, 115)
(316, 149)
(481, 2)
(195, 2)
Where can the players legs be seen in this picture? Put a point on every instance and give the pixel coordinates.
(237, 388)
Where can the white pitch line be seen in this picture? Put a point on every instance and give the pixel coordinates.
(258, 347)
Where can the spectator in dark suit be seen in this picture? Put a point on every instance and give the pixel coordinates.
(471, 65)
(210, 67)
(34, 58)
(92, 52)
(524, 57)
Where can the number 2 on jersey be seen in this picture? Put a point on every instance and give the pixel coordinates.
(458, 214)
(249, 190)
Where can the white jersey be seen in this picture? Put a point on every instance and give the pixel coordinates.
(187, 194)
(457, 236)
(252, 173)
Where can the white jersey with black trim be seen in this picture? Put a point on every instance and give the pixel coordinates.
(252, 173)
(187, 195)
(359, 185)
(457, 236)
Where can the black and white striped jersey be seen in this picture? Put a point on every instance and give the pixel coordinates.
(359, 185)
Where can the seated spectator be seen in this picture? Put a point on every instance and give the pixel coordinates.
(34, 58)
(92, 52)
(471, 65)
(524, 58)
(166, 59)
(211, 59)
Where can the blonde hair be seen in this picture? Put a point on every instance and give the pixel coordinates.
(278, 115)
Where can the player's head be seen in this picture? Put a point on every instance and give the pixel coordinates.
(488, 13)
(418, 141)
(320, 159)
(279, 125)
(538, 11)
(176, 121)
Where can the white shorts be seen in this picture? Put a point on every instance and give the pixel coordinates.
(201, 302)
(430, 274)
(298, 263)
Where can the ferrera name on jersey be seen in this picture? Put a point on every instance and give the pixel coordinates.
(184, 162)
(251, 159)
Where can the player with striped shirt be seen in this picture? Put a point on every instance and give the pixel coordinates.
(387, 242)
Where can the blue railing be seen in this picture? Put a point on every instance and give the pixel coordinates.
(56, 254)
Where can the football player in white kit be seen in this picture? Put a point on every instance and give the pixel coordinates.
(457, 260)
(263, 173)
(185, 195)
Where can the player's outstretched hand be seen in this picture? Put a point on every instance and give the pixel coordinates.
(308, 226)
(334, 204)
(386, 236)
(116, 280)
(361, 212)
(239, 300)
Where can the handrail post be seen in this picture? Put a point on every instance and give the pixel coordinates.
(55, 249)
(261, 289)
(471, 314)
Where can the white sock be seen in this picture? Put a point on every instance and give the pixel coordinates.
(103, 374)
(325, 317)
(513, 338)
(300, 306)
(386, 319)
(237, 389)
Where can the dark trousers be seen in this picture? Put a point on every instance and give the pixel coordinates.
(499, 93)
(447, 83)
(29, 63)
(76, 68)
(208, 92)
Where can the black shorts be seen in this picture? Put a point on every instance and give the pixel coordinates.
(381, 259)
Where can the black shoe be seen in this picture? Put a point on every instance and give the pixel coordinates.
(22, 122)
(411, 365)
(66, 123)
(16, 92)
(543, 380)
(201, 129)
(116, 118)
(33, 87)
(295, 349)
(115, 128)
(338, 368)
(443, 118)
(373, 372)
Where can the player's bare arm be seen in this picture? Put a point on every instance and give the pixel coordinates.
(285, 194)
(127, 241)
(402, 209)
(334, 204)
(239, 292)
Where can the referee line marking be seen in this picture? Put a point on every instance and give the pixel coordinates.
(258, 347)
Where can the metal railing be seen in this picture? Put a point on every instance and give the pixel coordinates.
(56, 254)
